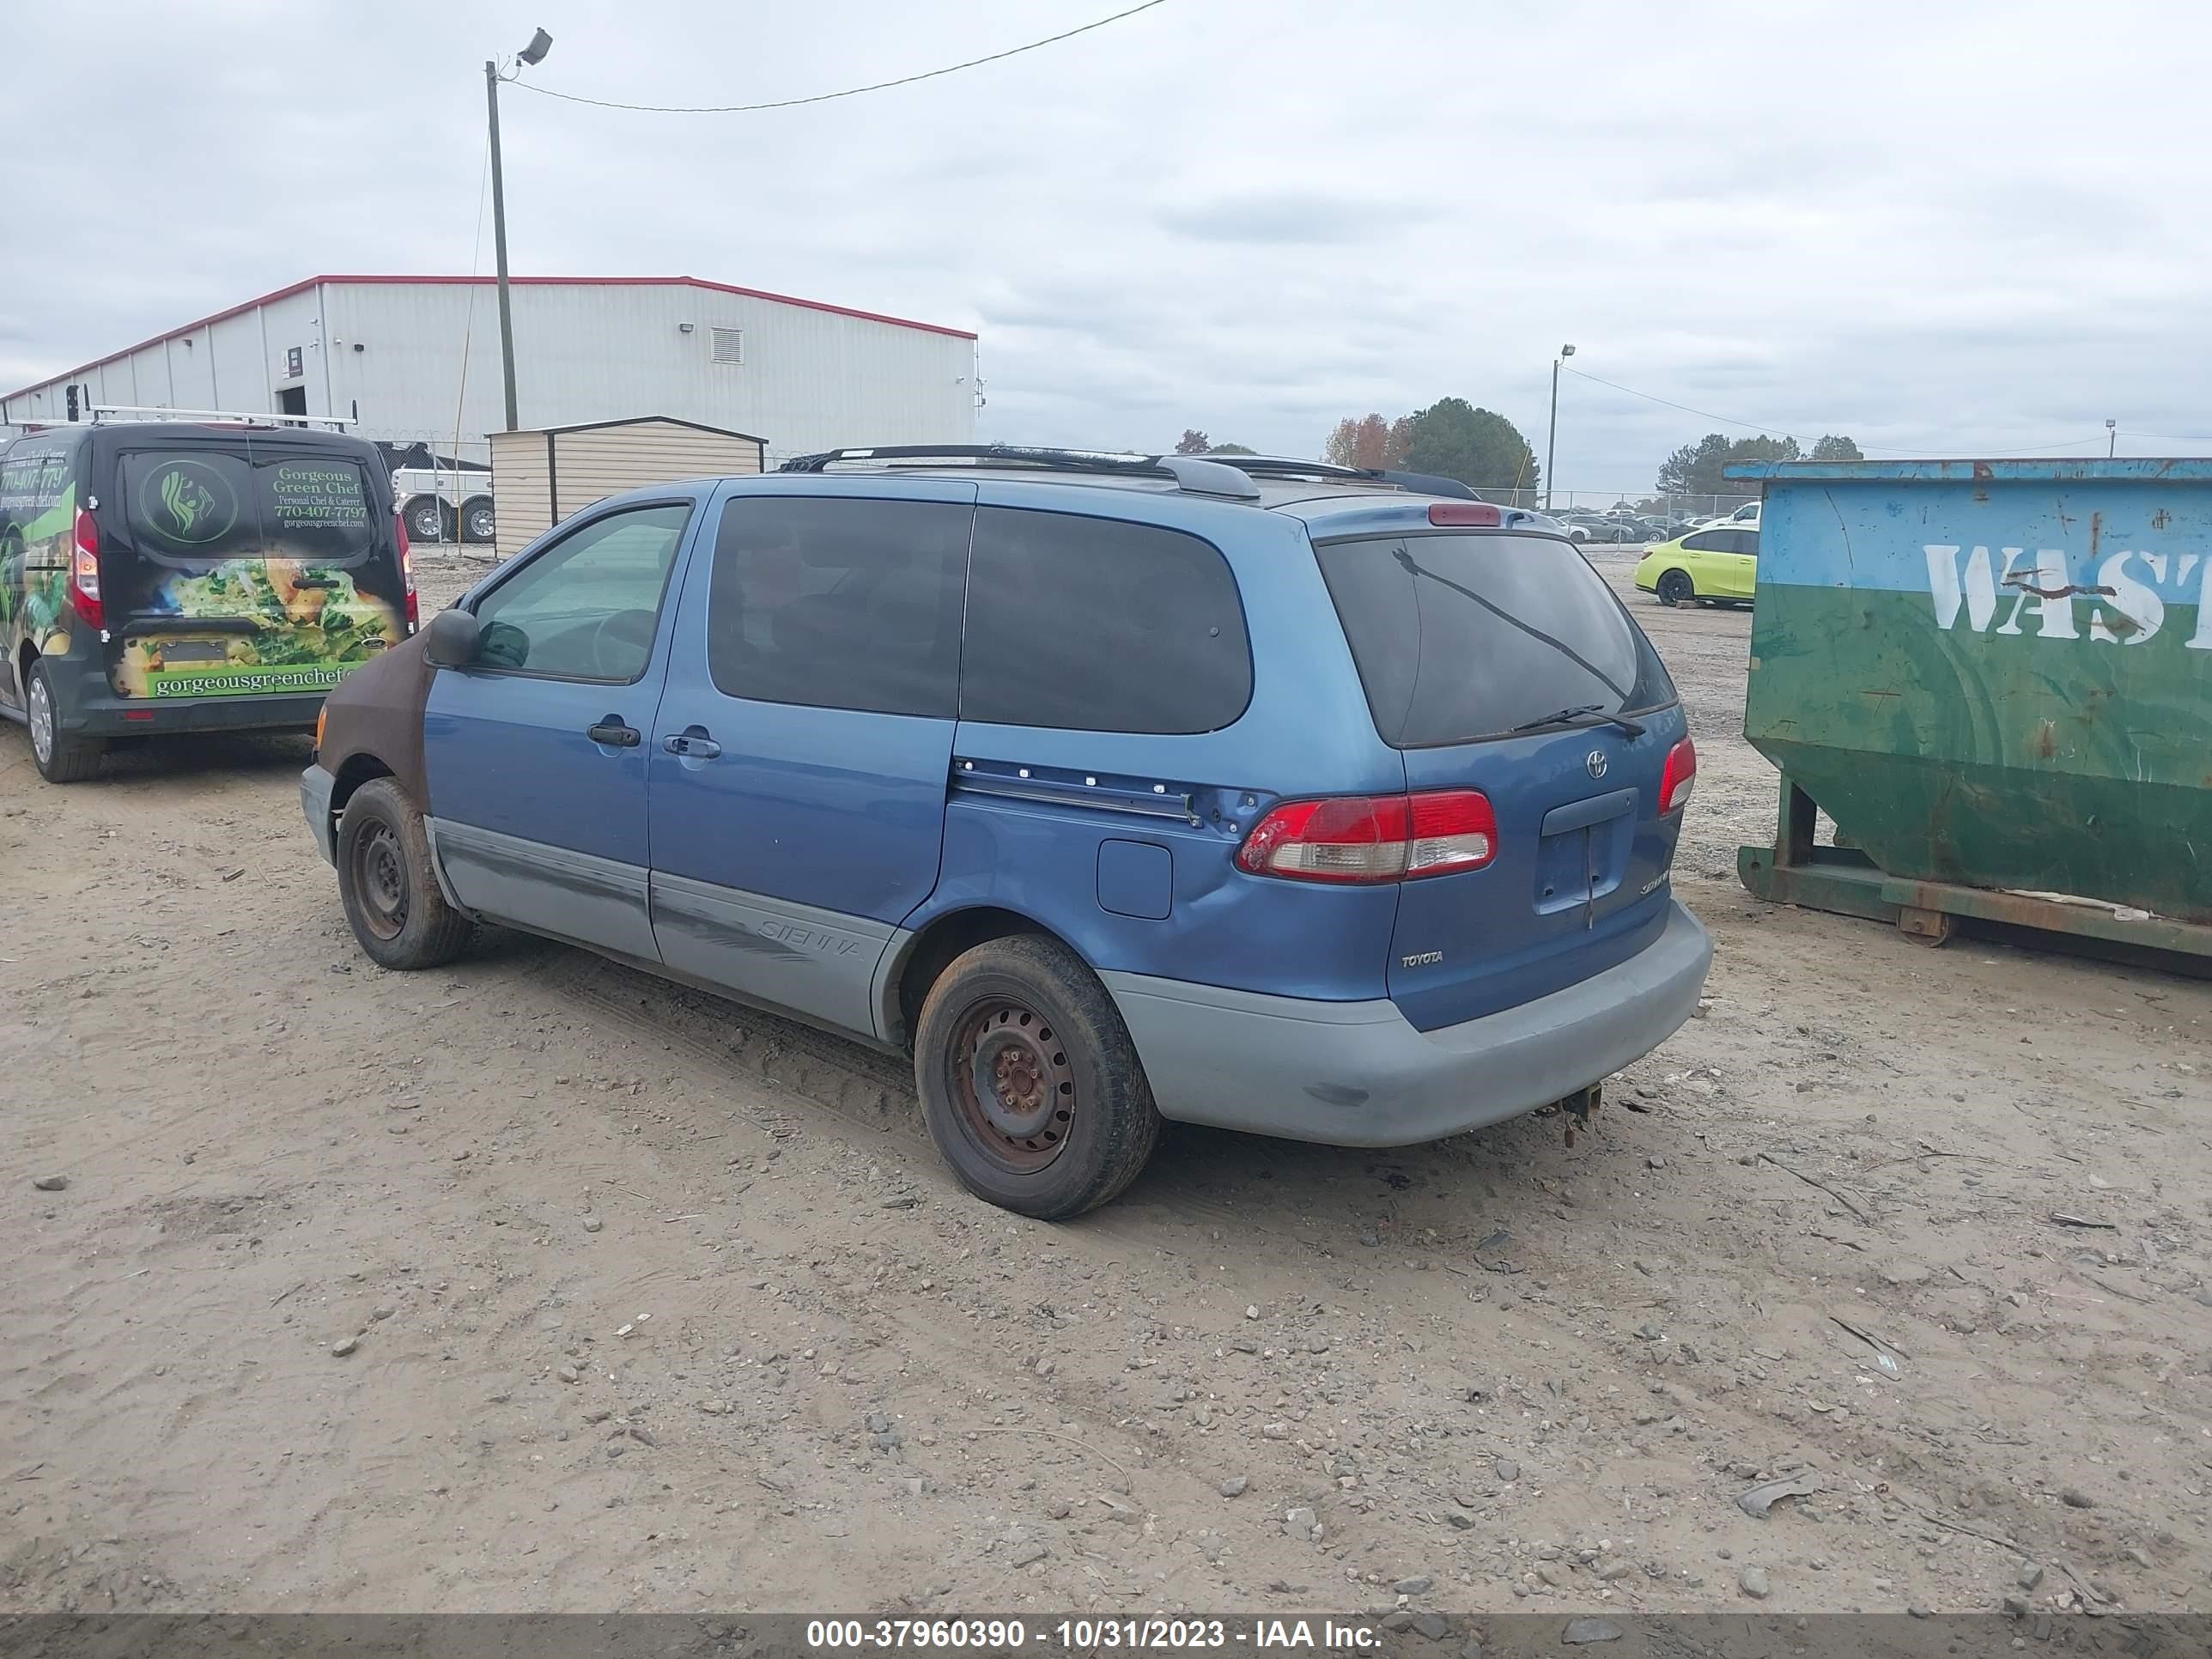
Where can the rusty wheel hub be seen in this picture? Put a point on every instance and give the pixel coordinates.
(1016, 1090)
(379, 877)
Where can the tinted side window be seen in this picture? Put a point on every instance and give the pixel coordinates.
(839, 603)
(585, 608)
(1747, 541)
(1092, 624)
(1705, 541)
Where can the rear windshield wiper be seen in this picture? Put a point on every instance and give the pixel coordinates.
(1583, 714)
(1512, 621)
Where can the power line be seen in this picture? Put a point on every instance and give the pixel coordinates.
(1777, 432)
(1702, 414)
(849, 91)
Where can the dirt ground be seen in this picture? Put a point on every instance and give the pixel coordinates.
(650, 1302)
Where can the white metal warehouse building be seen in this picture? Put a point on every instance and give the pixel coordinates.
(405, 356)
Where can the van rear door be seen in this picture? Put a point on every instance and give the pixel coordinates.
(246, 563)
(1500, 662)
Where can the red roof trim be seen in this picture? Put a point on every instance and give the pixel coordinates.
(485, 281)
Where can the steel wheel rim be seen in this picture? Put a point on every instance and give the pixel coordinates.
(379, 880)
(428, 525)
(480, 525)
(1013, 1088)
(41, 713)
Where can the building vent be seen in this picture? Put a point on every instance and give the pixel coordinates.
(729, 345)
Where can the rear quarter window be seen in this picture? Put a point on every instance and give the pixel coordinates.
(1100, 625)
(1460, 637)
(34, 478)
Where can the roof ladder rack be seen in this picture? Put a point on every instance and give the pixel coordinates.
(102, 413)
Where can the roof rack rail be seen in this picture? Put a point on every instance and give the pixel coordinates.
(1424, 483)
(1197, 474)
(100, 414)
(1287, 466)
(1284, 466)
(1066, 460)
(1227, 475)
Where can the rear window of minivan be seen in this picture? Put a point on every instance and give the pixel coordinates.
(198, 506)
(1462, 636)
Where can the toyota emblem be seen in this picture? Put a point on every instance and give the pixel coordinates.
(1594, 762)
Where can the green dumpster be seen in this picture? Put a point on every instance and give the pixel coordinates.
(1996, 676)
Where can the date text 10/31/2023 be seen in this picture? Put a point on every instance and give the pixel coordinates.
(987, 1636)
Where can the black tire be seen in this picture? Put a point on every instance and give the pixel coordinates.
(479, 523)
(59, 757)
(391, 897)
(1027, 1013)
(1675, 588)
(426, 519)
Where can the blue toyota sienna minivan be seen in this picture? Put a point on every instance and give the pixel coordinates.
(1251, 793)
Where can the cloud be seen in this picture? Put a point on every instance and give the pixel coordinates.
(1289, 218)
(1187, 220)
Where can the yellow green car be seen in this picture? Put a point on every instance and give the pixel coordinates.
(1719, 563)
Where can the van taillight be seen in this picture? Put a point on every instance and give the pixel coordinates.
(407, 572)
(84, 572)
(1680, 778)
(1373, 838)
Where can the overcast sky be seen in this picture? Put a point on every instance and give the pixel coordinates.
(1952, 228)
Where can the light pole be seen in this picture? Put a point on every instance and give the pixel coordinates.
(2111, 438)
(1551, 438)
(533, 54)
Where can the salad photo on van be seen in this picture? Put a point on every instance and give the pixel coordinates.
(158, 578)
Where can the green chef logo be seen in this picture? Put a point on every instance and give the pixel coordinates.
(188, 502)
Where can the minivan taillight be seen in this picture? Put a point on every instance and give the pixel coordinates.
(407, 572)
(1373, 838)
(84, 572)
(1680, 778)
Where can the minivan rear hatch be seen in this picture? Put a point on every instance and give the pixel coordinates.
(246, 562)
(1501, 663)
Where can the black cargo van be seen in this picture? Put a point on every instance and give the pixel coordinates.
(158, 578)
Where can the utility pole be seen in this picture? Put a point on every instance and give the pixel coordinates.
(2111, 438)
(499, 242)
(534, 53)
(1551, 439)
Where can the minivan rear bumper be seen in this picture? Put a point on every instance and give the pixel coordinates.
(85, 704)
(1357, 1074)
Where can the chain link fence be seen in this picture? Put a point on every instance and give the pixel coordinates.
(1666, 509)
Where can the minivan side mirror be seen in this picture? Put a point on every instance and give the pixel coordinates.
(450, 642)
